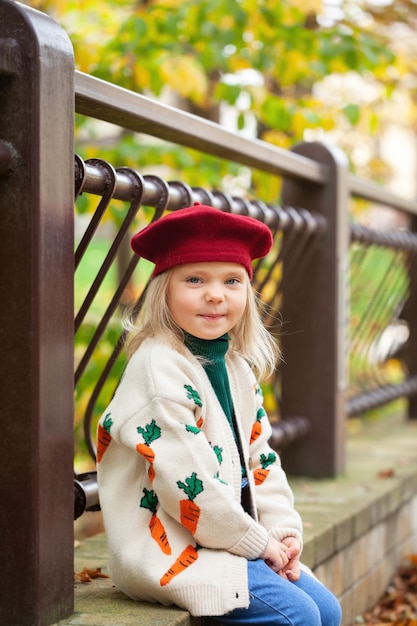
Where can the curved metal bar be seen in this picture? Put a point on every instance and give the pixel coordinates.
(88, 416)
(387, 290)
(138, 181)
(133, 209)
(203, 195)
(242, 205)
(402, 239)
(287, 430)
(79, 175)
(161, 205)
(161, 197)
(108, 175)
(278, 217)
(380, 396)
(222, 201)
(184, 190)
(95, 181)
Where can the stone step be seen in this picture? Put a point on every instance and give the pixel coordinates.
(99, 603)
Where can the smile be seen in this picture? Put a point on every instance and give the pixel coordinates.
(213, 317)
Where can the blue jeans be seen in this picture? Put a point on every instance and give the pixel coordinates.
(275, 601)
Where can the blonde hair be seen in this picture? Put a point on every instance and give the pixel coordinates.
(249, 337)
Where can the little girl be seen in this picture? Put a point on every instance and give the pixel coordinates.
(197, 509)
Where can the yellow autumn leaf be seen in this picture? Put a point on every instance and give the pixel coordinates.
(336, 65)
(270, 403)
(294, 64)
(185, 75)
(141, 75)
(308, 6)
(277, 138)
(299, 123)
(226, 22)
(166, 4)
(237, 63)
(327, 123)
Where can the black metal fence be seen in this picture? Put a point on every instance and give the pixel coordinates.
(330, 323)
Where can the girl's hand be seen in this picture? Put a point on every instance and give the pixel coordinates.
(291, 570)
(275, 555)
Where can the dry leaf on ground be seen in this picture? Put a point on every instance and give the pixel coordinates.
(86, 575)
(398, 605)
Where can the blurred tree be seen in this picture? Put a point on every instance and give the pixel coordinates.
(262, 57)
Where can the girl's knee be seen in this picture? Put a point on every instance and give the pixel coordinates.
(331, 612)
(306, 613)
(326, 602)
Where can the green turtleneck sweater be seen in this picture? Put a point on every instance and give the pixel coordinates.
(213, 351)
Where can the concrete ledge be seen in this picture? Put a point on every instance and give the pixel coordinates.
(358, 527)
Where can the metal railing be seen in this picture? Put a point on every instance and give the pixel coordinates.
(101, 179)
(380, 262)
(313, 277)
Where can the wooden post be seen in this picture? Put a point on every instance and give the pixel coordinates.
(314, 312)
(36, 318)
(411, 316)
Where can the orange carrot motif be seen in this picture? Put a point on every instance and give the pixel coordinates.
(146, 452)
(189, 510)
(150, 433)
(187, 557)
(103, 436)
(150, 501)
(261, 473)
(257, 426)
(190, 513)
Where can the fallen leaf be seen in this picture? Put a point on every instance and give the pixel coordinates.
(386, 473)
(86, 575)
(398, 605)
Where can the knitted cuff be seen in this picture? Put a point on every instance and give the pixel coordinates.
(281, 533)
(252, 544)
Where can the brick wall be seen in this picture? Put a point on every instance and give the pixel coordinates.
(360, 572)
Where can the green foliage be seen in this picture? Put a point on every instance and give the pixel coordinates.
(274, 51)
(352, 112)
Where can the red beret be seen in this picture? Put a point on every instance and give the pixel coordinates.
(201, 233)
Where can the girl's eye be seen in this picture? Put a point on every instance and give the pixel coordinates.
(232, 281)
(193, 279)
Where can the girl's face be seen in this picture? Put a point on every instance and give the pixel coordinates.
(207, 299)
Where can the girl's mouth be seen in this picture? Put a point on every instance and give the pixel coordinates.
(212, 316)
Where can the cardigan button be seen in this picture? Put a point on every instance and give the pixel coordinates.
(250, 462)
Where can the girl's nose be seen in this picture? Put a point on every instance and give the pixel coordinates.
(214, 294)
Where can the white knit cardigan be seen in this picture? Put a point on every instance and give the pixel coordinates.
(170, 479)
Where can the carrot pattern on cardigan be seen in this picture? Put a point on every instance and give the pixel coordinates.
(257, 426)
(187, 557)
(103, 436)
(150, 433)
(150, 501)
(261, 473)
(190, 511)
